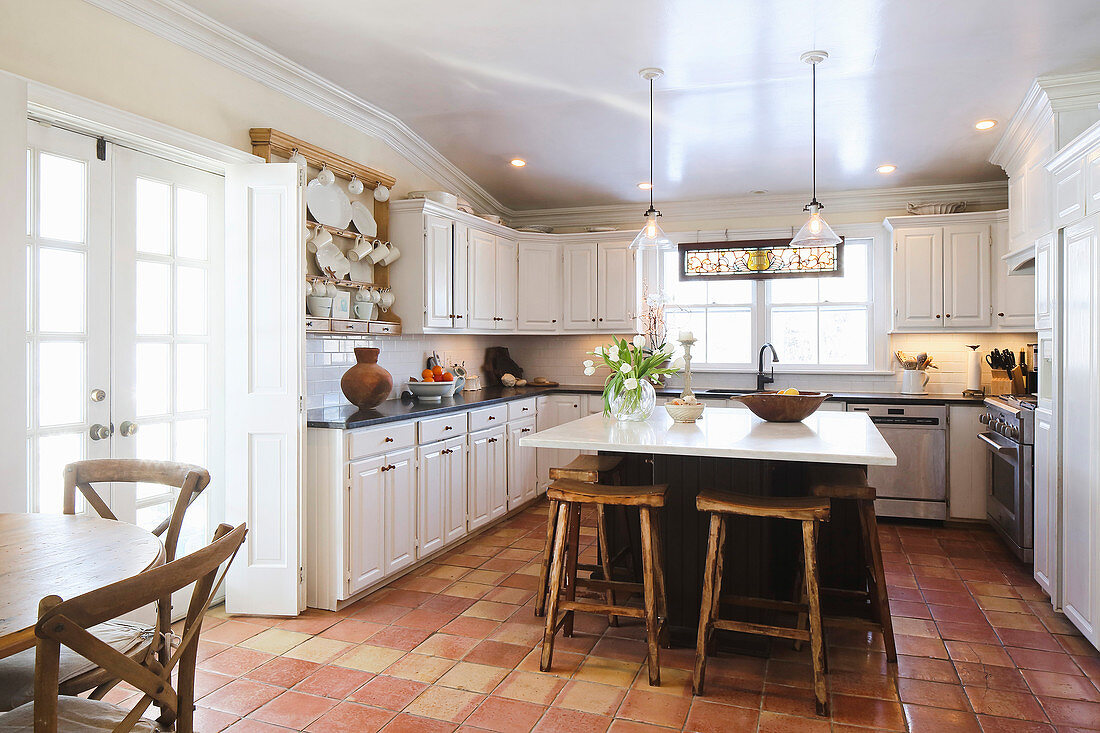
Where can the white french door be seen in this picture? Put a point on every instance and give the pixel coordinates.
(124, 327)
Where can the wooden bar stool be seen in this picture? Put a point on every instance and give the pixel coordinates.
(568, 496)
(807, 510)
(849, 483)
(592, 470)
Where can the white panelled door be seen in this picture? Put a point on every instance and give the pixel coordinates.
(124, 321)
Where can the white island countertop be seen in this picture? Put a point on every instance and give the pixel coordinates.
(824, 437)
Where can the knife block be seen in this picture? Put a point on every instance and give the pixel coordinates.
(1000, 385)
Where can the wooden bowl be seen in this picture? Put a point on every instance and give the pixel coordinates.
(775, 407)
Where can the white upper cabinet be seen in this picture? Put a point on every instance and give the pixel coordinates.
(1069, 193)
(1046, 286)
(918, 278)
(540, 283)
(491, 281)
(1013, 294)
(439, 236)
(461, 294)
(507, 273)
(966, 276)
(616, 289)
(579, 286)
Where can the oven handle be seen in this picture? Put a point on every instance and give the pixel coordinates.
(997, 447)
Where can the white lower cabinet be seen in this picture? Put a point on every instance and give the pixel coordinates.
(553, 410)
(366, 516)
(399, 486)
(488, 477)
(1046, 559)
(454, 527)
(441, 495)
(522, 483)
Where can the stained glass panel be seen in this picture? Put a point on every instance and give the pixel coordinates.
(758, 260)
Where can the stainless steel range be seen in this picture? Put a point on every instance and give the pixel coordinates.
(1011, 442)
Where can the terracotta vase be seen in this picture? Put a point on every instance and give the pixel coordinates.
(366, 384)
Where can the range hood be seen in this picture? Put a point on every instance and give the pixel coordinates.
(1020, 261)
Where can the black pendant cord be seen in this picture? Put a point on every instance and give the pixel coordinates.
(650, 146)
(813, 128)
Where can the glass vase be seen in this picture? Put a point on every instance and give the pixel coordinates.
(634, 404)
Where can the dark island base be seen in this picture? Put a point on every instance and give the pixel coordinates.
(763, 556)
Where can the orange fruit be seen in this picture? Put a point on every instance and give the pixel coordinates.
(427, 375)
(448, 377)
(437, 371)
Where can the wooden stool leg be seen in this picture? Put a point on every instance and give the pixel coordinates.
(573, 550)
(802, 620)
(554, 588)
(880, 599)
(605, 560)
(649, 587)
(659, 573)
(628, 543)
(719, 571)
(706, 608)
(817, 649)
(547, 557)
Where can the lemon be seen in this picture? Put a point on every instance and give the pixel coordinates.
(788, 390)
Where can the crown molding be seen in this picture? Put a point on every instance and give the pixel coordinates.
(1075, 149)
(1046, 96)
(988, 195)
(201, 34)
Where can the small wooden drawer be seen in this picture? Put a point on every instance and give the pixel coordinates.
(317, 324)
(390, 329)
(489, 417)
(372, 441)
(349, 326)
(439, 428)
(521, 408)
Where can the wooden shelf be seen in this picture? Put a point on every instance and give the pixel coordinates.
(346, 283)
(266, 140)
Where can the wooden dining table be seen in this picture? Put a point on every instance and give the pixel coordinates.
(62, 555)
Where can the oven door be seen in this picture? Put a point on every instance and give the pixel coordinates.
(1010, 503)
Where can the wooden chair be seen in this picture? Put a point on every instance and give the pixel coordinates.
(806, 510)
(569, 496)
(849, 483)
(592, 470)
(66, 623)
(137, 640)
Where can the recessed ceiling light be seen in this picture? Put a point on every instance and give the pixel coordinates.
(518, 162)
(985, 124)
(887, 168)
(645, 185)
(758, 191)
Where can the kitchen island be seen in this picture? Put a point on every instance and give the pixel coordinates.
(733, 450)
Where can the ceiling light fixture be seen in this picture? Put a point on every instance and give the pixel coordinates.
(518, 162)
(651, 237)
(815, 232)
(887, 168)
(985, 124)
(645, 185)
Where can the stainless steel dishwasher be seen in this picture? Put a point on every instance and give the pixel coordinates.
(917, 486)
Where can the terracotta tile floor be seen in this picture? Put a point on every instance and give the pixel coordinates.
(453, 646)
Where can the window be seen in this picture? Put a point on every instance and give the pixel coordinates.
(823, 323)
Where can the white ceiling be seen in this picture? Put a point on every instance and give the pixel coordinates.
(556, 83)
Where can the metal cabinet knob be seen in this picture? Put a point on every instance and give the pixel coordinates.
(948, 315)
(127, 428)
(1001, 315)
(99, 432)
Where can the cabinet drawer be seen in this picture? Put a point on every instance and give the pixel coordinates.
(317, 324)
(438, 428)
(521, 408)
(362, 443)
(387, 328)
(488, 417)
(348, 326)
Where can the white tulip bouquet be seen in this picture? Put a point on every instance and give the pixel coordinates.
(633, 368)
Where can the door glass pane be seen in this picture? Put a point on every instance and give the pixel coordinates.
(60, 383)
(190, 301)
(149, 517)
(190, 224)
(191, 441)
(154, 216)
(61, 299)
(154, 298)
(54, 453)
(61, 195)
(153, 378)
(794, 333)
(152, 442)
(190, 377)
(193, 534)
(844, 336)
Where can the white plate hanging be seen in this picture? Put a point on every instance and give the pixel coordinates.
(328, 204)
(363, 219)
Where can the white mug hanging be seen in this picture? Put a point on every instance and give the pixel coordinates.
(331, 290)
(381, 193)
(326, 177)
(361, 249)
(297, 158)
(387, 300)
(375, 295)
(355, 186)
(321, 237)
(379, 252)
(311, 246)
(392, 256)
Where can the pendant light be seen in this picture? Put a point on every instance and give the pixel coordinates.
(652, 237)
(816, 232)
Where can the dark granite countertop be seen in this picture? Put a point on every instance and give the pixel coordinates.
(346, 417)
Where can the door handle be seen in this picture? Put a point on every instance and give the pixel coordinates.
(99, 432)
(996, 446)
(127, 428)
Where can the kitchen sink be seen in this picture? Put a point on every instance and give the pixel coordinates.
(724, 391)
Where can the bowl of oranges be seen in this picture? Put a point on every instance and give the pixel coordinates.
(434, 384)
(787, 405)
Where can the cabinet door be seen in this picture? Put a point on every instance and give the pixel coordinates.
(461, 279)
(454, 452)
(1046, 505)
(431, 509)
(498, 472)
(366, 524)
(479, 480)
(400, 485)
(558, 410)
(1013, 295)
(482, 295)
(1079, 442)
(540, 306)
(1069, 194)
(967, 286)
(1092, 183)
(522, 482)
(506, 274)
(918, 278)
(579, 286)
(1045, 286)
(439, 275)
(616, 291)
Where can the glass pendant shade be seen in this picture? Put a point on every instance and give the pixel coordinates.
(816, 232)
(651, 236)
